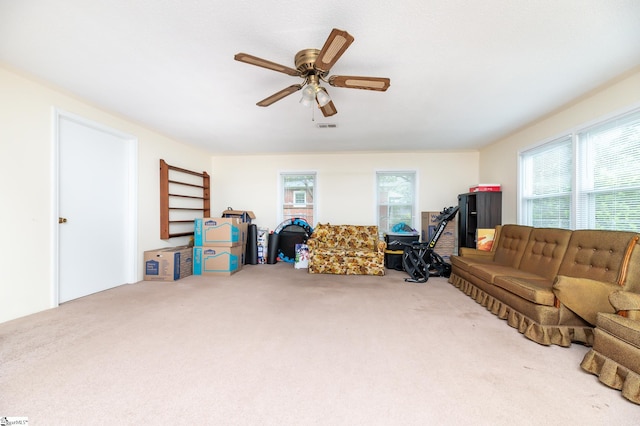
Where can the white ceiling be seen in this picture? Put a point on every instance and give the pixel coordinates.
(463, 73)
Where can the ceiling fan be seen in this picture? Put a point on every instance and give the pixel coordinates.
(313, 65)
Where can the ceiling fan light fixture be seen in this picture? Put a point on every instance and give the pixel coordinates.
(322, 97)
(306, 102)
(308, 95)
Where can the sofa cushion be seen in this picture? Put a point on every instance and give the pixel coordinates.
(538, 291)
(511, 244)
(346, 236)
(596, 254)
(583, 296)
(623, 328)
(488, 272)
(544, 251)
(328, 263)
(463, 262)
(341, 253)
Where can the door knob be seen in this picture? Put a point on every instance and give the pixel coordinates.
(62, 220)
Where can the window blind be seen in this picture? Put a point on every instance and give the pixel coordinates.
(586, 180)
(546, 184)
(396, 194)
(608, 181)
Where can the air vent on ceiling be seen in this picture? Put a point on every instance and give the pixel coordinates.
(326, 125)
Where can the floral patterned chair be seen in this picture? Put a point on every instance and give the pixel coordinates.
(346, 249)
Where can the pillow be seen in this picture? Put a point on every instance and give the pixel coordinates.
(585, 297)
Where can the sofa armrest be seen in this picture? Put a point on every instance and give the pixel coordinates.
(471, 252)
(585, 297)
(626, 303)
(381, 246)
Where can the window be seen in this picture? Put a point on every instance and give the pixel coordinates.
(585, 180)
(299, 198)
(396, 199)
(546, 185)
(298, 194)
(608, 182)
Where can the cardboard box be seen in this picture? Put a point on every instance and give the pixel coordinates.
(447, 244)
(168, 264)
(218, 260)
(485, 187)
(244, 215)
(219, 231)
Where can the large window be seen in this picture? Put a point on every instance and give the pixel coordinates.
(298, 195)
(396, 199)
(546, 185)
(585, 180)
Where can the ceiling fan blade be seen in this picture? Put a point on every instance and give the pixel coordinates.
(329, 109)
(380, 84)
(333, 49)
(279, 95)
(254, 60)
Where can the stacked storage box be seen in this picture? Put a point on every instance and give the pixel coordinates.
(168, 264)
(220, 245)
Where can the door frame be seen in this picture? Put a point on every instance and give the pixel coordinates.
(131, 268)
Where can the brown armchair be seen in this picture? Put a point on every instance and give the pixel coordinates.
(615, 356)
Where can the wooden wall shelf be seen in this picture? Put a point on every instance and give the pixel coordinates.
(182, 192)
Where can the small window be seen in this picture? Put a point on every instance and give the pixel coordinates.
(299, 198)
(298, 195)
(396, 202)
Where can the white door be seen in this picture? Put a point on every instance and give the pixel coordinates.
(95, 206)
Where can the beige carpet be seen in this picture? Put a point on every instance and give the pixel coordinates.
(273, 345)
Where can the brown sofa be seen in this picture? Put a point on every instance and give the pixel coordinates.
(346, 249)
(549, 283)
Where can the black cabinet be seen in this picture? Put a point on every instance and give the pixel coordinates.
(477, 210)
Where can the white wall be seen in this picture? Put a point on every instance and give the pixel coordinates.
(499, 161)
(26, 159)
(345, 182)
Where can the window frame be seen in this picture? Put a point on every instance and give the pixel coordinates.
(281, 195)
(525, 195)
(297, 203)
(413, 206)
(582, 211)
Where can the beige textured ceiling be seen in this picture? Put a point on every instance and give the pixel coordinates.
(463, 73)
